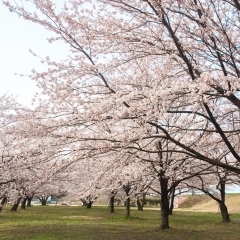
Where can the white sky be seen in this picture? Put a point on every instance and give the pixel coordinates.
(17, 36)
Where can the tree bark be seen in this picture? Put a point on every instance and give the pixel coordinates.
(139, 205)
(16, 204)
(127, 189)
(144, 203)
(172, 195)
(222, 205)
(112, 199)
(224, 213)
(164, 192)
(164, 203)
(29, 201)
(23, 203)
(43, 200)
(127, 207)
(84, 202)
(89, 204)
(4, 201)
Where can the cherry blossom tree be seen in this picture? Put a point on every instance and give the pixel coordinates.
(132, 65)
(196, 38)
(214, 185)
(8, 106)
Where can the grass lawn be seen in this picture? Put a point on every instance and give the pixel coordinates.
(65, 222)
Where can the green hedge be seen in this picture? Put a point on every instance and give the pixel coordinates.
(153, 201)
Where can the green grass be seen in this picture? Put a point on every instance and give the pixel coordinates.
(70, 223)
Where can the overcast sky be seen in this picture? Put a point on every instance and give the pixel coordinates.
(16, 38)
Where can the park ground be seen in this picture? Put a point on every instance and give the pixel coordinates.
(77, 222)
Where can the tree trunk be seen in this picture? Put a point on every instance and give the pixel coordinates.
(43, 200)
(15, 205)
(89, 204)
(144, 203)
(84, 202)
(29, 200)
(164, 192)
(127, 207)
(112, 199)
(4, 201)
(139, 205)
(172, 195)
(222, 205)
(127, 189)
(164, 203)
(23, 203)
(224, 213)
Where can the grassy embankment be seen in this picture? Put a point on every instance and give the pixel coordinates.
(205, 203)
(71, 223)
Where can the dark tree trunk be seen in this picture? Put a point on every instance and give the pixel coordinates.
(15, 205)
(164, 203)
(43, 200)
(144, 203)
(127, 189)
(112, 199)
(172, 195)
(29, 201)
(3, 202)
(23, 203)
(224, 213)
(222, 205)
(139, 205)
(127, 207)
(89, 204)
(84, 202)
(164, 192)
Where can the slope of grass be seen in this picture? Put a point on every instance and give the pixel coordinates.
(193, 200)
(71, 223)
(206, 203)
